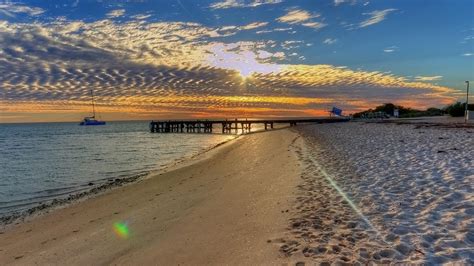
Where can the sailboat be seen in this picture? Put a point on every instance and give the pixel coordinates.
(90, 120)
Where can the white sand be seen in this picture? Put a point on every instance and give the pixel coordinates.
(412, 191)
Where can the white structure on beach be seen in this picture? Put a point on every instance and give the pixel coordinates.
(470, 116)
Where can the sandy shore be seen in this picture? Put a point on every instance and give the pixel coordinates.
(221, 208)
(358, 193)
(385, 193)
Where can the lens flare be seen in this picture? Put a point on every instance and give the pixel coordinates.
(345, 197)
(121, 229)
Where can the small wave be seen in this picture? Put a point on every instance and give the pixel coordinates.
(65, 159)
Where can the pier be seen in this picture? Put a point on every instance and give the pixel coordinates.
(230, 126)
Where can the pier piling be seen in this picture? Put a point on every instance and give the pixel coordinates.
(228, 126)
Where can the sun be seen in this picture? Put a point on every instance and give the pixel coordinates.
(245, 73)
(244, 62)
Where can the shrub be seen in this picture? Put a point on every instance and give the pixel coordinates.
(457, 109)
(403, 111)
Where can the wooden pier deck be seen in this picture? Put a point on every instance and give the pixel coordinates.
(230, 126)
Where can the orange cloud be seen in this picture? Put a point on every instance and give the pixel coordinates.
(177, 69)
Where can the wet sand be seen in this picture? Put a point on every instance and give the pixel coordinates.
(221, 208)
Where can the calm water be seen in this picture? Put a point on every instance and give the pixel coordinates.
(41, 162)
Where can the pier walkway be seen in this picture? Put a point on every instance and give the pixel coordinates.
(230, 126)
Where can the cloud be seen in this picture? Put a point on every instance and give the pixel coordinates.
(291, 44)
(468, 54)
(338, 2)
(301, 17)
(390, 49)
(179, 69)
(329, 41)
(314, 25)
(376, 16)
(242, 3)
(428, 78)
(254, 25)
(140, 16)
(10, 9)
(116, 13)
(274, 30)
(296, 17)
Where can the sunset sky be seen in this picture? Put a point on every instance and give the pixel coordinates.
(223, 59)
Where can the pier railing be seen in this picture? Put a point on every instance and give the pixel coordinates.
(230, 126)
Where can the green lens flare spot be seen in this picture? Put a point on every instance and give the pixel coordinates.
(121, 229)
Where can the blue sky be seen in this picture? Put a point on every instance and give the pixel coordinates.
(408, 51)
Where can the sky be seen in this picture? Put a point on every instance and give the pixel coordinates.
(230, 58)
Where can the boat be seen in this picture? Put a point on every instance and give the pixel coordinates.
(90, 120)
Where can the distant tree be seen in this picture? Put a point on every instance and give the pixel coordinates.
(388, 108)
(434, 111)
(457, 109)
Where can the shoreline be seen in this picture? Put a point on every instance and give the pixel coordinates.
(173, 213)
(42, 208)
(358, 192)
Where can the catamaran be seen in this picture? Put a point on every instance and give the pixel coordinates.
(90, 120)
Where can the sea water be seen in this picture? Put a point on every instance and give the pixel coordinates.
(41, 162)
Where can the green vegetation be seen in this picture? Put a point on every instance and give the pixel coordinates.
(455, 110)
(388, 109)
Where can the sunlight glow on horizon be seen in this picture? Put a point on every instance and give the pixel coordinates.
(167, 64)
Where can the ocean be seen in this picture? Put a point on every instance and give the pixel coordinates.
(40, 162)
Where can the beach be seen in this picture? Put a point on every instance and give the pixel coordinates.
(220, 208)
(386, 193)
(352, 192)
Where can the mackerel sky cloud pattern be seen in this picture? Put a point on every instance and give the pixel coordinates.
(145, 65)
